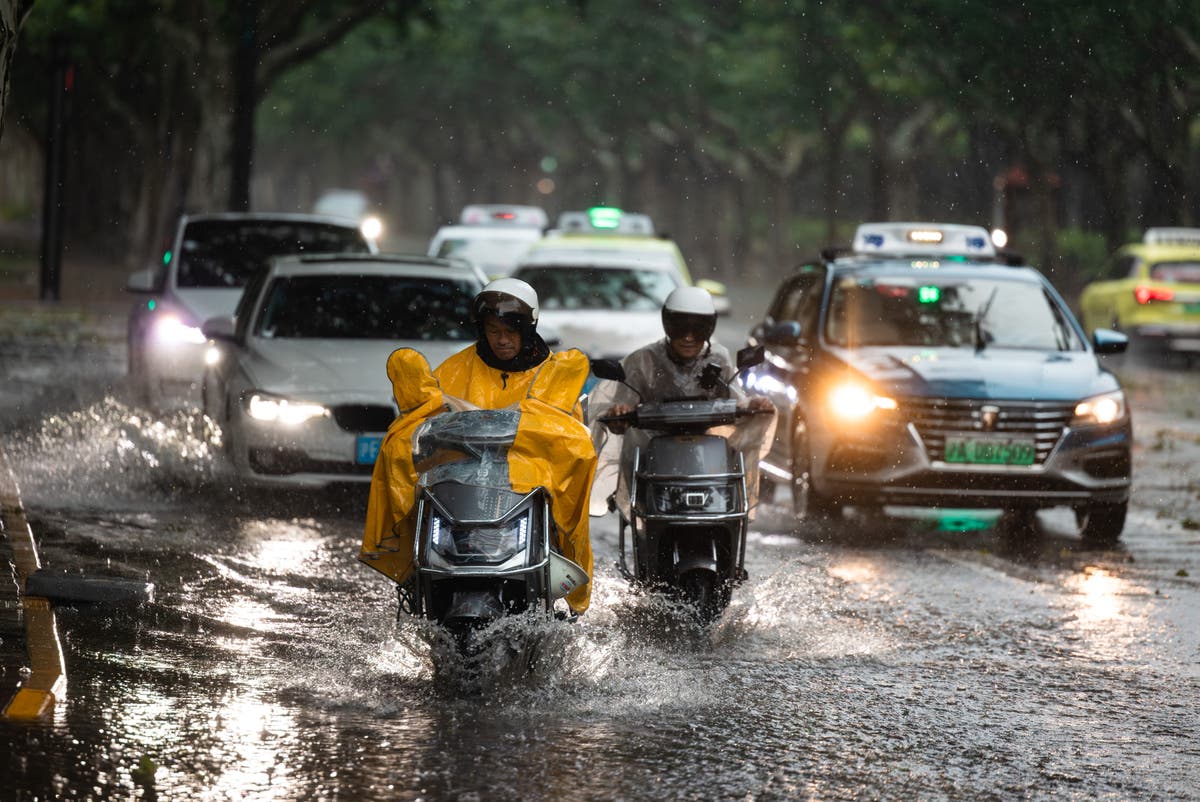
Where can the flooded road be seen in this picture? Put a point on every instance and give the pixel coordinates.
(924, 656)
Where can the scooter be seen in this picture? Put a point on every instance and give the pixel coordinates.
(688, 511)
(481, 551)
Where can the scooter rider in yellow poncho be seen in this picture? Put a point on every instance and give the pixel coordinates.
(509, 365)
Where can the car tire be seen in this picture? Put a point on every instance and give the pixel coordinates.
(807, 502)
(1100, 524)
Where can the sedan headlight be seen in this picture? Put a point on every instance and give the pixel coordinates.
(684, 499)
(479, 543)
(170, 329)
(1100, 409)
(276, 409)
(852, 401)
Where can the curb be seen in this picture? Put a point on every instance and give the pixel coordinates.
(46, 682)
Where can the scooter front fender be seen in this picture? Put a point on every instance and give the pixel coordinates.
(694, 555)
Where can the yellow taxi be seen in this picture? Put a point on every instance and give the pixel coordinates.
(1151, 291)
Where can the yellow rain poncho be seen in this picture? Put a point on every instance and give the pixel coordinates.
(388, 535)
(552, 449)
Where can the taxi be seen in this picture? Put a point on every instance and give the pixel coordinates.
(920, 369)
(1151, 291)
(601, 276)
(491, 236)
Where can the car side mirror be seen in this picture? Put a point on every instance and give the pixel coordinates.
(608, 369)
(219, 328)
(1107, 341)
(751, 355)
(785, 333)
(143, 281)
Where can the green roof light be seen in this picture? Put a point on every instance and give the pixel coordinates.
(166, 257)
(929, 294)
(604, 217)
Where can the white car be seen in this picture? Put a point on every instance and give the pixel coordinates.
(604, 304)
(298, 380)
(201, 276)
(491, 236)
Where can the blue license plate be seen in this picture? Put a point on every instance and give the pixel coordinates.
(366, 448)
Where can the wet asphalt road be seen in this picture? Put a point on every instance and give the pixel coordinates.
(922, 656)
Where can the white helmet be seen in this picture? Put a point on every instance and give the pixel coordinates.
(689, 309)
(509, 299)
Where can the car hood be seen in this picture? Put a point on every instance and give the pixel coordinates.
(332, 370)
(994, 373)
(603, 333)
(202, 303)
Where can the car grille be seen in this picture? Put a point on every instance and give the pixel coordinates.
(363, 417)
(935, 418)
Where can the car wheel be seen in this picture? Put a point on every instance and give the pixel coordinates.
(807, 503)
(1100, 524)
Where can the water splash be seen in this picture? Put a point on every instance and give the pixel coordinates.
(110, 450)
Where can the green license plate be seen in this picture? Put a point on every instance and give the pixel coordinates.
(990, 452)
(1191, 307)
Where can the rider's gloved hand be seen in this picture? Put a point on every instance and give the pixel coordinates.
(619, 427)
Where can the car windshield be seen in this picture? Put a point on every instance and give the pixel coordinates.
(368, 307)
(1176, 272)
(570, 287)
(940, 311)
(225, 253)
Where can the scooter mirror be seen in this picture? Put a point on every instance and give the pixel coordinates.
(750, 355)
(608, 369)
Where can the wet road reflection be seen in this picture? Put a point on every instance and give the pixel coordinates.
(918, 656)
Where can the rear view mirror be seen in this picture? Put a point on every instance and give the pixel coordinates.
(143, 281)
(1107, 341)
(608, 369)
(785, 333)
(218, 328)
(750, 355)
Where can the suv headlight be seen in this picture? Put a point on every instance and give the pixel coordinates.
(1100, 409)
(277, 409)
(852, 401)
(169, 328)
(479, 543)
(683, 499)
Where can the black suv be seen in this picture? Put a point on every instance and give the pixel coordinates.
(919, 369)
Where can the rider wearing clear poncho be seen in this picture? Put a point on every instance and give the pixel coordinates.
(509, 366)
(684, 364)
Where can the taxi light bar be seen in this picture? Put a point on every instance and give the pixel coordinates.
(1172, 236)
(925, 235)
(1145, 295)
(923, 239)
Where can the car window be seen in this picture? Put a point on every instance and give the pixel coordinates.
(225, 253)
(947, 312)
(799, 299)
(1176, 272)
(368, 307)
(570, 287)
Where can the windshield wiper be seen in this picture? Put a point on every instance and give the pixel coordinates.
(981, 335)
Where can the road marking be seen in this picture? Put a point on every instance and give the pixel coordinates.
(47, 680)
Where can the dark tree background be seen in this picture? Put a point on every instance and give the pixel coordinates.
(752, 131)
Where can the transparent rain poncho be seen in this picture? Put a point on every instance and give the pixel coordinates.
(655, 376)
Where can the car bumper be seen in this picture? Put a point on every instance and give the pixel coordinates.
(1089, 464)
(316, 453)
(1170, 336)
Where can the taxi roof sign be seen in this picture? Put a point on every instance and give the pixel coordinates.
(503, 214)
(1172, 236)
(606, 220)
(923, 239)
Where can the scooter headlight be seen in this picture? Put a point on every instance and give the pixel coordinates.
(475, 543)
(684, 499)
